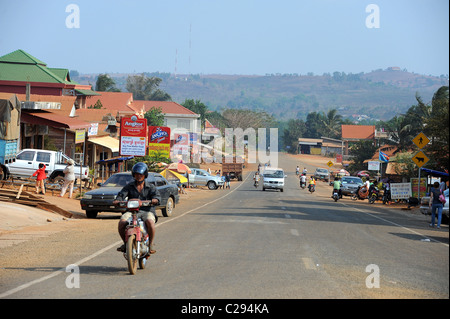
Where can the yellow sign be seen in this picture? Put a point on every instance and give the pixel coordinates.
(420, 159)
(155, 149)
(421, 140)
(330, 163)
(79, 136)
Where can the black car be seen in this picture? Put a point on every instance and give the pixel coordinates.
(101, 199)
(350, 184)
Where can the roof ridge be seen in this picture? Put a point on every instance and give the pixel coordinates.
(20, 56)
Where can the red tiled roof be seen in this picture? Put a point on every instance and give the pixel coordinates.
(119, 101)
(359, 132)
(167, 107)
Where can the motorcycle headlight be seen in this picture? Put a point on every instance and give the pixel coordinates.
(133, 204)
(87, 196)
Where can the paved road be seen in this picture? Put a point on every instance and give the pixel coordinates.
(246, 243)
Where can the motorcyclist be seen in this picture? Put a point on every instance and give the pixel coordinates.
(256, 178)
(140, 188)
(312, 182)
(337, 186)
(303, 180)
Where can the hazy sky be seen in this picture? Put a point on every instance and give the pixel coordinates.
(230, 36)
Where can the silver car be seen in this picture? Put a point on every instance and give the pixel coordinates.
(350, 185)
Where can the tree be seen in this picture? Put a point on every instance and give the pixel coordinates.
(295, 128)
(437, 129)
(146, 88)
(105, 84)
(361, 151)
(332, 124)
(197, 107)
(155, 117)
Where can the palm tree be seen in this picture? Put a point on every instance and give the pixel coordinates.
(332, 124)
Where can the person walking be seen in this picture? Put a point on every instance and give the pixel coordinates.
(40, 177)
(69, 179)
(436, 204)
(227, 180)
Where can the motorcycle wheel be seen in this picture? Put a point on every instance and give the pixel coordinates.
(131, 254)
(354, 197)
(142, 262)
(371, 199)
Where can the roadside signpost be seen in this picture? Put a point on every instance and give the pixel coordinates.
(420, 159)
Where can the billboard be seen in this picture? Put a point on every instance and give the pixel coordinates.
(133, 136)
(159, 141)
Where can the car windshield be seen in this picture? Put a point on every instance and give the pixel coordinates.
(354, 180)
(274, 174)
(118, 180)
(321, 170)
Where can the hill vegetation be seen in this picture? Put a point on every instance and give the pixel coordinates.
(378, 95)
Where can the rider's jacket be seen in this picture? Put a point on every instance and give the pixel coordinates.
(148, 192)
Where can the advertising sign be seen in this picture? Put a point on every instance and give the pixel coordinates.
(400, 190)
(159, 141)
(373, 166)
(133, 136)
(415, 186)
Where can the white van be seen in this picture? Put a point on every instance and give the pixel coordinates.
(273, 178)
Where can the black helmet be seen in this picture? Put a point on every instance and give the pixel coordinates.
(140, 168)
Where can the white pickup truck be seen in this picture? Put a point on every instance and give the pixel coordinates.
(27, 162)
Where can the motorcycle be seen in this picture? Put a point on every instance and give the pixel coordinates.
(256, 183)
(358, 194)
(302, 184)
(335, 195)
(137, 245)
(373, 195)
(386, 195)
(312, 188)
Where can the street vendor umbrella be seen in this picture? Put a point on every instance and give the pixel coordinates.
(179, 167)
(171, 175)
(363, 174)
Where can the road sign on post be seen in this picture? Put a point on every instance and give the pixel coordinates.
(420, 159)
(421, 140)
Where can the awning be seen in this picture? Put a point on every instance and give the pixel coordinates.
(53, 120)
(114, 160)
(106, 141)
(433, 172)
(86, 92)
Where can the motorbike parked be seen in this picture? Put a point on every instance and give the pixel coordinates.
(137, 245)
(373, 194)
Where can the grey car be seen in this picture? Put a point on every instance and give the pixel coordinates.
(322, 173)
(101, 199)
(349, 184)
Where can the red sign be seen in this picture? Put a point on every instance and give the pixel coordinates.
(133, 126)
(159, 134)
(133, 135)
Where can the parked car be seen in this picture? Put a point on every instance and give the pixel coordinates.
(101, 199)
(322, 174)
(425, 208)
(200, 177)
(350, 184)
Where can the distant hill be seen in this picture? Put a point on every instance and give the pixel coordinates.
(378, 95)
